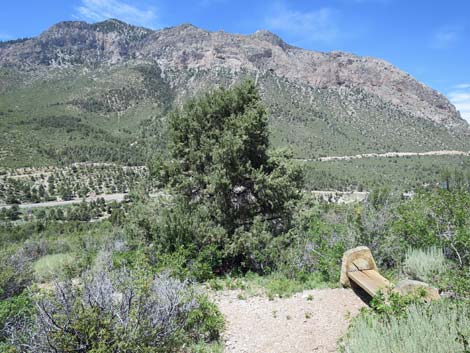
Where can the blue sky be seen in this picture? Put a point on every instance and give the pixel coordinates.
(430, 39)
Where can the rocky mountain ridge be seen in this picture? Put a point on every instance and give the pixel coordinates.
(188, 47)
(100, 92)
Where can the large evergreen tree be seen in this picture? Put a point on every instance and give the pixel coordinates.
(221, 166)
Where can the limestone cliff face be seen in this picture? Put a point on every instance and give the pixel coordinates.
(188, 48)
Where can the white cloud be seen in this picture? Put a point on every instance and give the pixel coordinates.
(462, 86)
(4, 36)
(460, 97)
(99, 10)
(316, 25)
(446, 37)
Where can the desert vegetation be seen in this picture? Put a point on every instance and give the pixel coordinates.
(232, 214)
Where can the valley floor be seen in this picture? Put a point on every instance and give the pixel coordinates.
(312, 321)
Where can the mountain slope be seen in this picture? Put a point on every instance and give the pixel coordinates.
(117, 81)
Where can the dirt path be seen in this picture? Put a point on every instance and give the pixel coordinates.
(311, 321)
(387, 155)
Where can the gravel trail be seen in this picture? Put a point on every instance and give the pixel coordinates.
(386, 155)
(312, 321)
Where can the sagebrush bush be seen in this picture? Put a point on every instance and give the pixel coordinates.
(425, 265)
(117, 310)
(437, 328)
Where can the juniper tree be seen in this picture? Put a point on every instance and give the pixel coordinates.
(221, 166)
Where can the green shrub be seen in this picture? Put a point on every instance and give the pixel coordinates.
(437, 218)
(186, 262)
(457, 281)
(205, 323)
(388, 304)
(15, 274)
(440, 327)
(425, 265)
(317, 248)
(12, 312)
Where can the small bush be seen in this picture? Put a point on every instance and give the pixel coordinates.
(118, 310)
(440, 327)
(425, 265)
(206, 321)
(15, 274)
(457, 281)
(388, 304)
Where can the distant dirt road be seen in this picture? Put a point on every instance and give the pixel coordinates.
(106, 197)
(387, 155)
(311, 321)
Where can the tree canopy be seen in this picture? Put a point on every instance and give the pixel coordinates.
(221, 163)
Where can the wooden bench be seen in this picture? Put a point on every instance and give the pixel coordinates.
(369, 280)
(359, 268)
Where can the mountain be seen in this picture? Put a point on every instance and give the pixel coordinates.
(100, 91)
